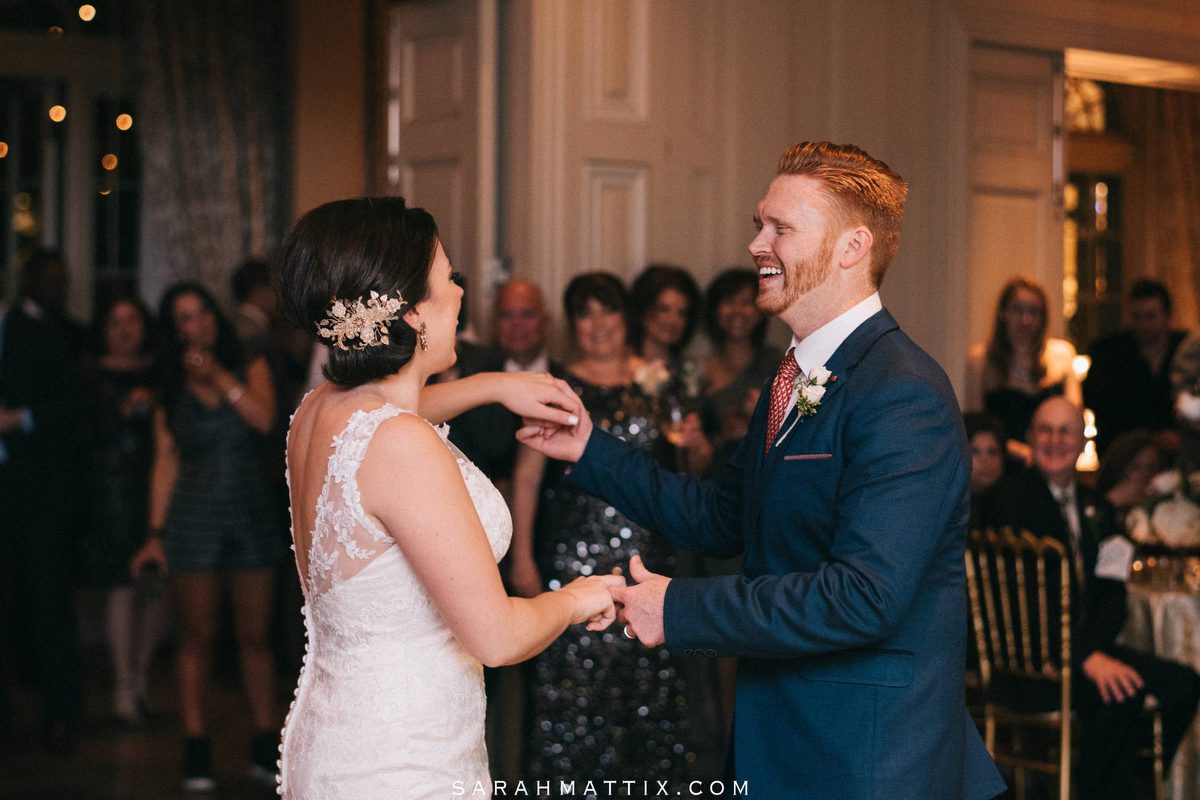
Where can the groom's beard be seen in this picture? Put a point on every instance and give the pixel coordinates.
(798, 279)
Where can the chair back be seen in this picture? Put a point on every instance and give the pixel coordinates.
(1020, 595)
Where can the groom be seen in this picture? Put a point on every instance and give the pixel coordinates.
(848, 497)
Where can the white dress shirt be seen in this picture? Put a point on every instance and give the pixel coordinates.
(819, 346)
(539, 364)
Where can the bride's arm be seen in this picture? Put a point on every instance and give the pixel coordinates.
(411, 483)
(527, 394)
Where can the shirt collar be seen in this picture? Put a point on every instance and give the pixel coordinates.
(539, 364)
(819, 346)
(1062, 494)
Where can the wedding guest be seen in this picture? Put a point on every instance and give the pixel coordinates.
(487, 434)
(262, 332)
(520, 321)
(1129, 385)
(285, 348)
(664, 311)
(600, 705)
(1048, 500)
(1126, 469)
(985, 434)
(47, 283)
(1019, 365)
(211, 516)
(39, 413)
(119, 433)
(740, 363)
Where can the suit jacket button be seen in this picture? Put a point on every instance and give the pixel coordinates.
(710, 652)
(689, 652)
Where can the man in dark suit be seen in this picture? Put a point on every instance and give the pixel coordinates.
(848, 498)
(485, 434)
(1129, 383)
(1047, 500)
(38, 414)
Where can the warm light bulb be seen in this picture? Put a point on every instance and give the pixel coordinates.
(3, 149)
(87, 13)
(105, 192)
(56, 30)
(1080, 366)
(1088, 461)
(124, 122)
(58, 113)
(109, 162)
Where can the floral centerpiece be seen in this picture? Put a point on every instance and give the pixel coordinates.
(1170, 514)
(1166, 528)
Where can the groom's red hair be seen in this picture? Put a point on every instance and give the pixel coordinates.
(861, 190)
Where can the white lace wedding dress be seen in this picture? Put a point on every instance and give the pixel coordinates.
(389, 704)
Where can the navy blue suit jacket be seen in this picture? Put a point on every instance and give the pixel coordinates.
(850, 620)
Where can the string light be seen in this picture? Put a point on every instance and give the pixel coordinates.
(3, 149)
(56, 30)
(109, 162)
(87, 13)
(58, 113)
(124, 122)
(105, 192)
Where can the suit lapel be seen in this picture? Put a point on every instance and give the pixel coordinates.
(841, 364)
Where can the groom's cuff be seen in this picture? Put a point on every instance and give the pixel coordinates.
(601, 452)
(684, 628)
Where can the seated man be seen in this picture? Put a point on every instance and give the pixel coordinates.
(1110, 694)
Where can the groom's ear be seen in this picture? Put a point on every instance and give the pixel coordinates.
(853, 246)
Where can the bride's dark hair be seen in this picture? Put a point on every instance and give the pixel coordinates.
(345, 250)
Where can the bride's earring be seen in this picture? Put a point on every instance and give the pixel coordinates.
(421, 337)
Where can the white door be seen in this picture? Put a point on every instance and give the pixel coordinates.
(440, 126)
(1015, 210)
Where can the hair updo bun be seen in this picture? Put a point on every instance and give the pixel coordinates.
(343, 251)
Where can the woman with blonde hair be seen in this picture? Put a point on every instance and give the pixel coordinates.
(1019, 366)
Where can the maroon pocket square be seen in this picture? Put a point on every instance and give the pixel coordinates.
(807, 456)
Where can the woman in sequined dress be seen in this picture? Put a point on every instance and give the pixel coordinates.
(664, 310)
(601, 706)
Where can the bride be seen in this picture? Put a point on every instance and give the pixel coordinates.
(397, 534)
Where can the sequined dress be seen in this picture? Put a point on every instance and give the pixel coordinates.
(390, 705)
(602, 706)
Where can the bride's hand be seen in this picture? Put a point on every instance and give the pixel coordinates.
(552, 441)
(593, 601)
(542, 397)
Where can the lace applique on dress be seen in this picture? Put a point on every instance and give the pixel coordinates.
(344, 538)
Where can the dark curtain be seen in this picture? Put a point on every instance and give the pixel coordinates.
(1162, 230)
(213, 80)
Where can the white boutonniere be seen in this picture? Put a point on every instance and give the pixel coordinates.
(651, 376)
(807, 395)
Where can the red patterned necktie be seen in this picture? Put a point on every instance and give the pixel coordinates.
(781, 395)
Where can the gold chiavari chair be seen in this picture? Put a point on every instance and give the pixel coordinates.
(1024, 642)
(1020, 598)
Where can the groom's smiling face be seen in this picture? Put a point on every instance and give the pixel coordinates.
(794, 246)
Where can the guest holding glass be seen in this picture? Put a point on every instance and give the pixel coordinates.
(119, 439)
(740, 363)
(665, 305)
(1020, 366)
(211, 516)
(601, 706)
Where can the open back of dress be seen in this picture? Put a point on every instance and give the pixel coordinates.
(389, 704)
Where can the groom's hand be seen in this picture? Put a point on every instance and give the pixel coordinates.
(642, 604)
(554, 441)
